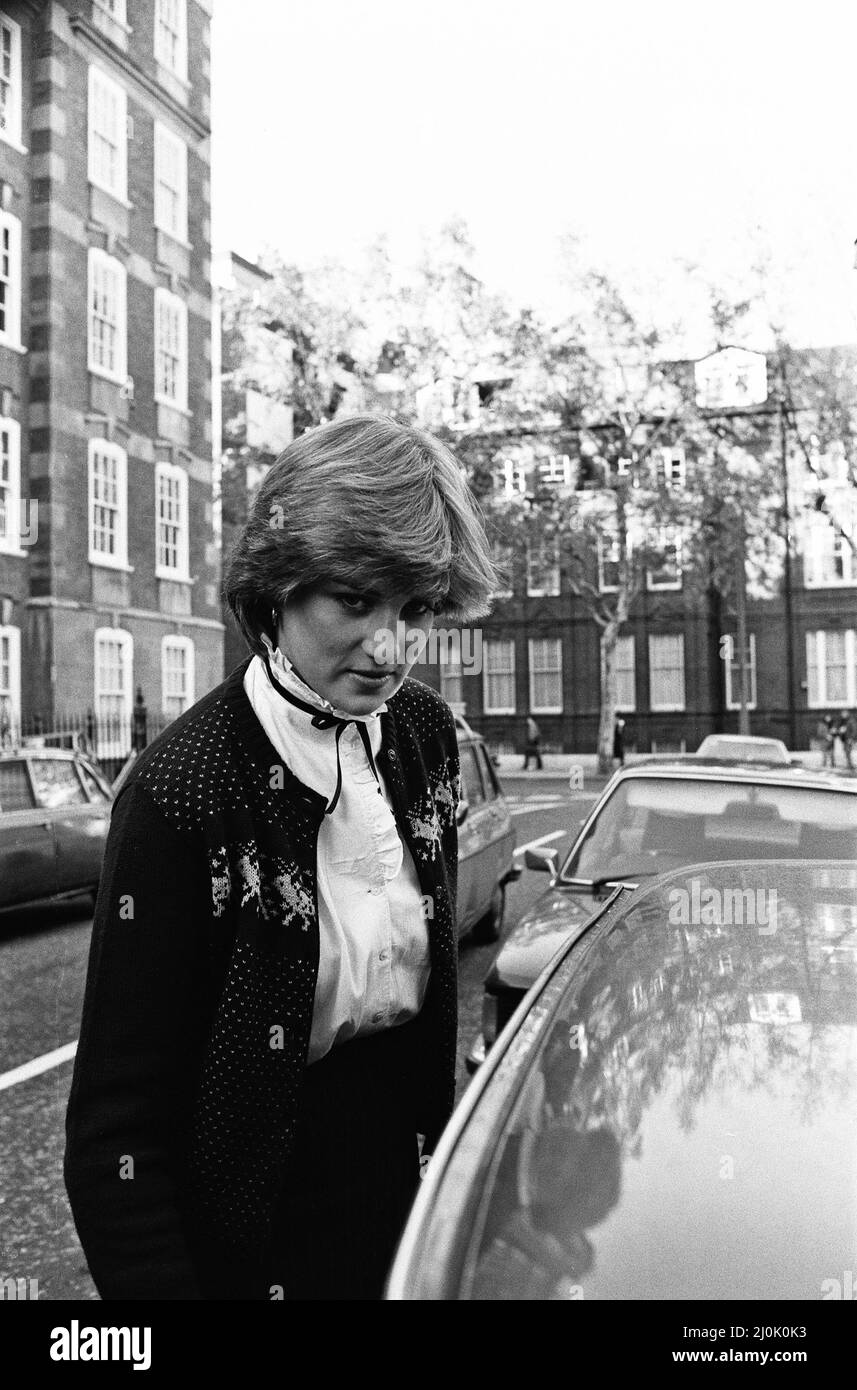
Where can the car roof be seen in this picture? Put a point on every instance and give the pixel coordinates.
(650, 1051)
(724, 770)
(15, 754)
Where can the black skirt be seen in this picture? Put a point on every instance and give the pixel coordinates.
(350, 1183)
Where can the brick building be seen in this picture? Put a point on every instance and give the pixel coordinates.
(540, 648)
(106, 363)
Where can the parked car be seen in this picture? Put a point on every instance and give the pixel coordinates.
(743, 748)
(653, 818)
(54, 816)
(486, 842)
(671, 1113)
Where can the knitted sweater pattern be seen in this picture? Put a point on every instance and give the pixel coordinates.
(219, 781)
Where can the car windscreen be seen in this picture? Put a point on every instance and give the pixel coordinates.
(651, 825)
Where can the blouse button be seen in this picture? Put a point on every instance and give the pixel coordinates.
(392, 755)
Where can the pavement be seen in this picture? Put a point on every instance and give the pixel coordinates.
(559, 766)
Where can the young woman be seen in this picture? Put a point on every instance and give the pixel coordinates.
(270, 1010)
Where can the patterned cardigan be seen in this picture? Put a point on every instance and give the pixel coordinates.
(201, 981)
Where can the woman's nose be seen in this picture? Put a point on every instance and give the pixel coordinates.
(385, 642)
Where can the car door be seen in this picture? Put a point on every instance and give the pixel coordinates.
(499, 829)
(79, 823)
(473, 837)
(27, 843)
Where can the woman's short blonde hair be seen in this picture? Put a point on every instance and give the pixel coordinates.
(370, 503)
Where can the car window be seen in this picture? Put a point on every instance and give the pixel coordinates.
(652, 825)
(16, 794)
(93, 786)
(489, 776)
(57, 783)
(471, 778)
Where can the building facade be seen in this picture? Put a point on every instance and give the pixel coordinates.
(109, 561)
(538, 652)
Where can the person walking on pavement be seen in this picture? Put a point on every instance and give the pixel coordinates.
(619, 740)
(532, 749)
(270, 1014)
(846, 732)
(826, 738)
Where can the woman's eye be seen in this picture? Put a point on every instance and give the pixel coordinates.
(353, 602)
(419, 610)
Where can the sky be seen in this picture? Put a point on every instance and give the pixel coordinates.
(653, 132)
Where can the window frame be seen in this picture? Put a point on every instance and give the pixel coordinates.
(818, 528)
(119, 373)
(823, 699)
(107, 746)
(118, 189)
(163, 472)
(167, 302)
(554, 569)
(185, 644)
(10, 543)
(604, 547)
(117, 455)
(667, 707)
(178, 69)
(12, 132)
(627, 640)
(532, 642)
(11, 634)
(488, 644)
(731, 701)
(165, 136)
(10, 336)
(673, 586)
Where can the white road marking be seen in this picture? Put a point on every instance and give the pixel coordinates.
(38, 1065)
(531, 844)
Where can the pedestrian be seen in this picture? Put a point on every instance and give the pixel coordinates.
(825, 734)
(270, 1013)
(619, 740)
(532, 748)
(846, 733)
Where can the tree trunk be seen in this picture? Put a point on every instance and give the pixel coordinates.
(609, 696)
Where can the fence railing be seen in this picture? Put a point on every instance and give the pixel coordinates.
(108, 739)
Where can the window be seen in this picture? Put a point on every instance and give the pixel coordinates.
(503, 556)
(666, 672)
(667, 573)
(171, 36)
(57, 783)
(170, 349)
(10, 485)
(177, 675)
(451, 677)
(554, 471)
(10, 280)
(108, 134)
(545, 675)
(609, 556)
(512, 477)
(170, 183)
(10, 80)
(831, 668)
(828, 559)
(116, 9)
(16, 793)
(498, 677)
(626, 685)
(114, 657)
(733, 675)
(543, 570)
(171, 560)
(107, 316)
(108, 504)
(670, 467)
(472, 786)
(10, 685)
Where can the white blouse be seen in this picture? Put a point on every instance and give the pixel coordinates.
(374, 953)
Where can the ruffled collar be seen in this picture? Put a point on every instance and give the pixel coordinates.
(289, 679)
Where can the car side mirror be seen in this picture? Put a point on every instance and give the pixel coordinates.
(461, 812)
(545, 859)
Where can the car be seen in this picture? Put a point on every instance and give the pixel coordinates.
(742, 748)
(650, 819)
(55, 809)
(486, 842)
(671, 1112)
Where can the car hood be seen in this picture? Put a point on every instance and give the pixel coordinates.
(686, 1126)
(557, 917)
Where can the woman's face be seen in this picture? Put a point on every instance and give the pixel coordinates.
(353, 648)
